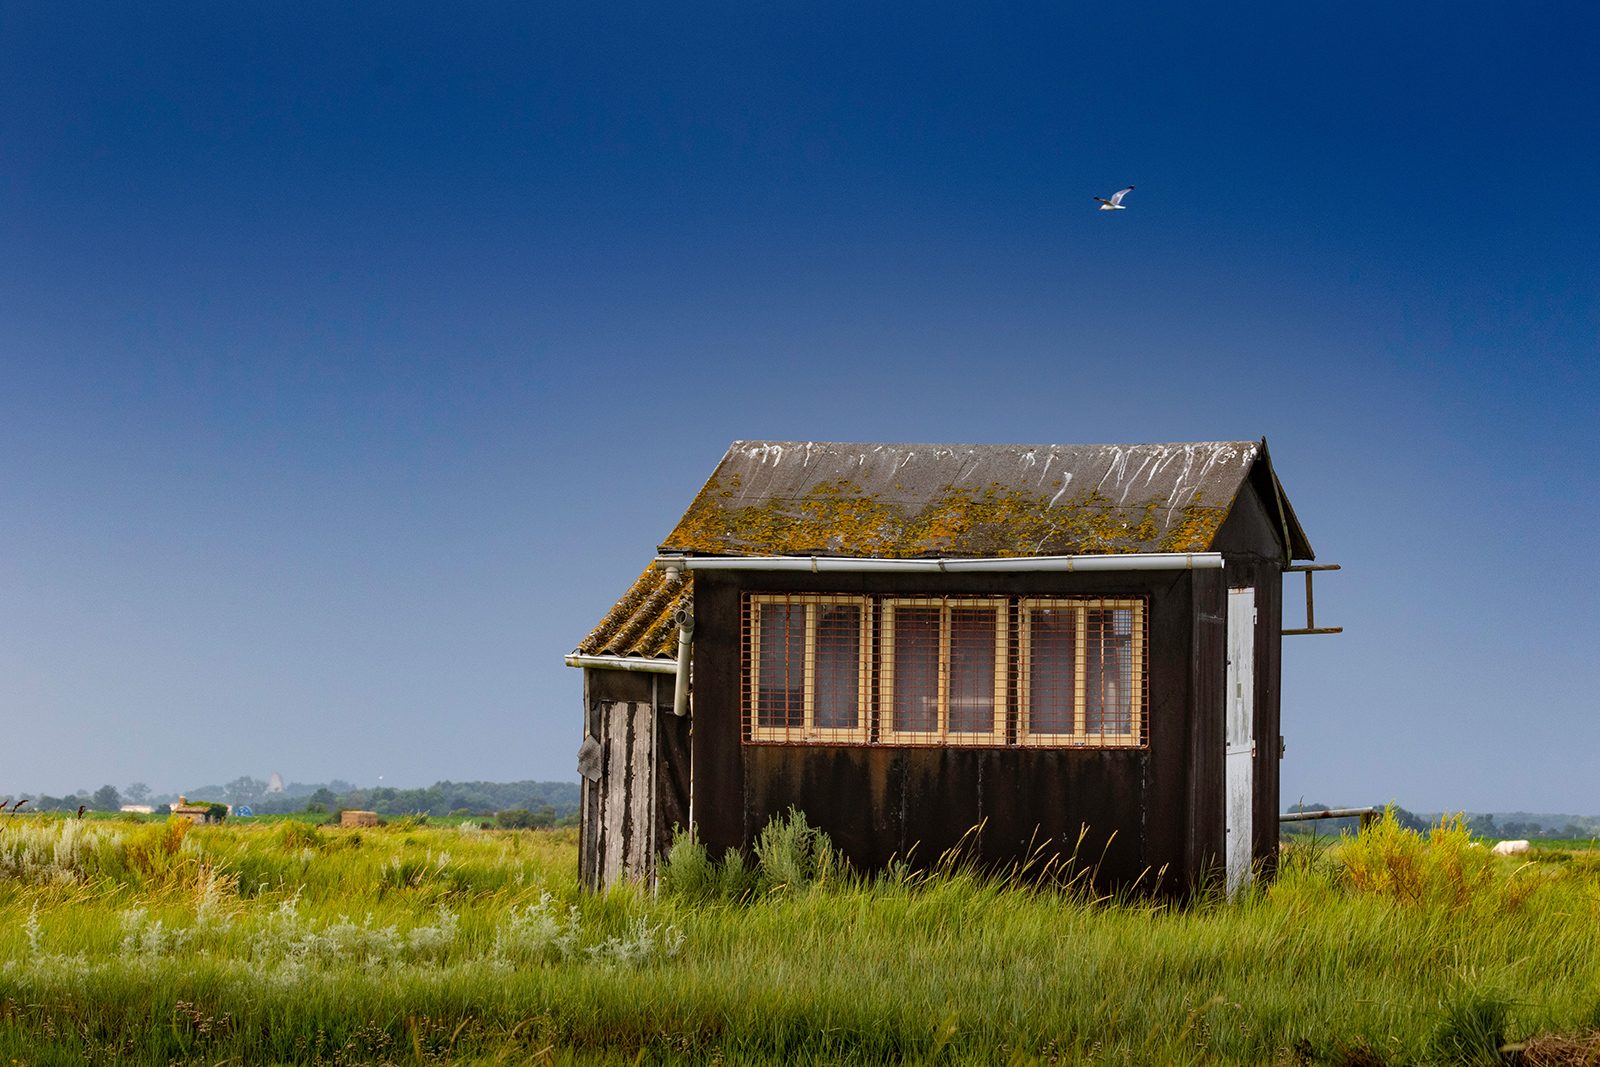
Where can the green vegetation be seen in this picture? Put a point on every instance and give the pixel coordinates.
(482, 799)
(158, 943)
(548, 803)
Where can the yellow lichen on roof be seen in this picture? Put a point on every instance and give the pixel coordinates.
(837, 518)
(1002, 521)
(641, 623)
(1194, 530)
(833, 517)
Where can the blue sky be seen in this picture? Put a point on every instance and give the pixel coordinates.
(354, 358)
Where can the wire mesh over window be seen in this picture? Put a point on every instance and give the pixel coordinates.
(911, 669)
(944, 670)
(808, 668)
(1082, 672)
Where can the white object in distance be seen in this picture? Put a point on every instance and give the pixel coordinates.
(1115, 203)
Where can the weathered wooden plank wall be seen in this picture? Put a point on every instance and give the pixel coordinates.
(619, 833)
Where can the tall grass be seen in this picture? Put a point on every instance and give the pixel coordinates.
(269, 944)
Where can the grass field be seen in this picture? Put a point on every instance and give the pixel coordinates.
(285, 942)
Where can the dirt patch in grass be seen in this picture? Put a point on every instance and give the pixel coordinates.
(1554, 1050)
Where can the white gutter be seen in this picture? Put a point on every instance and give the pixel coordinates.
(1131, 561)
(624, 663)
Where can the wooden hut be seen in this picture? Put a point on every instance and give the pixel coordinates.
(1073, 648)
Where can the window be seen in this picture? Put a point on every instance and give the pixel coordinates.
(1082, 672)
(808, 668)
(992, 671)
(943, 671)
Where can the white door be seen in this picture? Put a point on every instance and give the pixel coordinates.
(1240, 739)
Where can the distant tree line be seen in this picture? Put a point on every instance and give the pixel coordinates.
(1510, 825)
(517, 804)
(106, 798)
(441, 798)
(1521, 824)
(553, 803)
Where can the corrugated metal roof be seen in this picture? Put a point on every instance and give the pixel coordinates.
(641, 624)
(904, 501)
(911, 500)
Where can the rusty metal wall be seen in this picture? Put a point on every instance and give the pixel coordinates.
(883, 802)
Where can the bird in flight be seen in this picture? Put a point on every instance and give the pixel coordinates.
(1115, 203)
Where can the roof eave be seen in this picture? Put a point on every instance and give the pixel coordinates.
(816, 564)
(622, 663)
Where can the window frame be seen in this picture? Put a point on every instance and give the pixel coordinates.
(996, 735)
(1013, 659)
(1138, 697)
(808, 732)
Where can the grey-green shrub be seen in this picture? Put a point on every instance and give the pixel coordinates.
(687, 871)
(793, 855)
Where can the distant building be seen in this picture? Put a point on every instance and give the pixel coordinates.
(199, 812)
(358, 818)
(138, 809)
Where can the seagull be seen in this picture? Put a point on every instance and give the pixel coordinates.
(1115, 203)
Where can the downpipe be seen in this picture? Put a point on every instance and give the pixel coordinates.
(684, 617)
